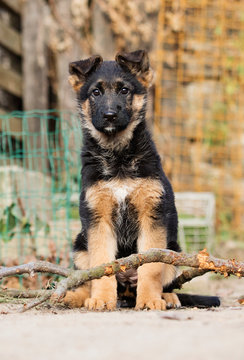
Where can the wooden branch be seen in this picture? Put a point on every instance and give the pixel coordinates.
(26, 294)
(36, 302)
(202, 262)
(40, 296)
(185, 276)
(33, 267)
(178, 282)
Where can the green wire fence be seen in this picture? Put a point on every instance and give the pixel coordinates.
(39, 185)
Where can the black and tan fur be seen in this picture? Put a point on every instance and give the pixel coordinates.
(126, 203)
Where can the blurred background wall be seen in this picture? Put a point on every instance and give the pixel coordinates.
(196, 107)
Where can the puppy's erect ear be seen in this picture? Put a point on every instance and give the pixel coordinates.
(80, 70)
(134, 62)
(137, 63)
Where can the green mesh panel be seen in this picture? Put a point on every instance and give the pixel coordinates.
(39, 185)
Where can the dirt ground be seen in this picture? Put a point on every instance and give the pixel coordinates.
(58, 333)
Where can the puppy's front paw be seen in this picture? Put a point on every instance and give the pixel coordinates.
(172, 300)
(100, 304)
(152, 304)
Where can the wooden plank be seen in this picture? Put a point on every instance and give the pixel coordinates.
(14, 5)
(35, 75)
(11, 81)
(103, 39)
(35, 68)
(10, 38)
(15, 124)
(65, 93)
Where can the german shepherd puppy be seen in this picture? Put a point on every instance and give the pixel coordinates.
(127, 203)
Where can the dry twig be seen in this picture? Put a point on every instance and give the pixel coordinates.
(202, 261)
(33, 267)
(37, 301)
(185, 276)
(24, 294)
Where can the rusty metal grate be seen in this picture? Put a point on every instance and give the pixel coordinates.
(199, 102)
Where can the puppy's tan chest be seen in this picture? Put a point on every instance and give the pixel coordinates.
(144, 194)
(120, 190)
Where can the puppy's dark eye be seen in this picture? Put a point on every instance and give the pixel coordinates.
(124, 91)
(96, 92)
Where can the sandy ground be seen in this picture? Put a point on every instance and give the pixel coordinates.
(58, 333)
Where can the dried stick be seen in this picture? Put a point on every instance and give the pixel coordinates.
(177, 283)
(185, 276)
(26, 294)
(36, 302)
(202, 261)
(33, 267)
(74, 278)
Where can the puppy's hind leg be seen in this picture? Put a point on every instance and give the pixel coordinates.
(77, 298)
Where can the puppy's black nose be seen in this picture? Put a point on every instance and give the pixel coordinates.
(110, 116)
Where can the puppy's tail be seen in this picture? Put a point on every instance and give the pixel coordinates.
(127, 298)
(200, 301)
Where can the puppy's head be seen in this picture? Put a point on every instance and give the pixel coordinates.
(112, 94)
